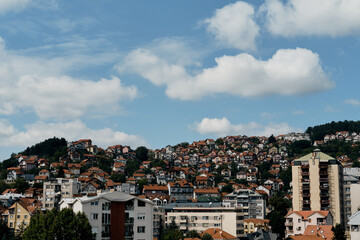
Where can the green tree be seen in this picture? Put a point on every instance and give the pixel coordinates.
(356, 163)
(5, 232)
(21, 185)
(61, 173)
(171, 232)
(272, 139)
(192, 234)
(227, 188)
(339, 232)
(59, 225)
(206, 236)
(141, 184)
(118, 177)
(142, 153)
(277, 216)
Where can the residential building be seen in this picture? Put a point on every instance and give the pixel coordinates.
(252, 203)
(252, 224)
(317, 185)
(354, 226)
(348, 197)
(355, 197)
(200, 216)
(297, 221)
(19, 214)
(57, 189)
(115, 215)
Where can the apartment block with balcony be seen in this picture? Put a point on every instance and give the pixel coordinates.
(115, 215)
(350, 196)
(200, 216)
(318, 185)
(57, 189)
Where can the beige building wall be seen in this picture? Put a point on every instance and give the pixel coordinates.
(355, 197)
(318, 170)
(18, 218)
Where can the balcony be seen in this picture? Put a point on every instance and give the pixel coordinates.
(288, 223)
(306, 201)
(324, 187)
(324, 201)
(306, 195)
(324, 195)
(306, 187)
(129, 221)
(305, 166)
(323, 180)
(305, 180)
(323, 173)
(304, 173)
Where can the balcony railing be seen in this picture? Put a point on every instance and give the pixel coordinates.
(305, 174)
(324, 201)
(306, 195)
(323, 173)
(324, 180)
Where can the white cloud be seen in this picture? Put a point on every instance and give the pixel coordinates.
(353, 102)
(39, 131)
(308, 17)
(222, 127)
(289, 72)
(19, 5)
(13, 5)
(39, 84)
(234, 25)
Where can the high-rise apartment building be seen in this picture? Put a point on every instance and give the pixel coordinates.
(317, 184)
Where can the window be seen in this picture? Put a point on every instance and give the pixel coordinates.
(216, 217)
(106, 206)
(106, 218)
(11, 224)
(141, 204)
(205, 225)
(141, 229)
(205, 217)
(94, 203)
(25, 216)
(18, 216)
(217, 225)
(141, 216)
(94, 216)
(299, 220)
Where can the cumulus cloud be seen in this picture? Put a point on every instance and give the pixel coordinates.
(307, 17)
(234, 25)
(73, 130)
(288, 72)
(222, 127)
(13, 5)
(353, 102)
(39, 84)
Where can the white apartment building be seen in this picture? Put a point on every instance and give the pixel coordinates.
(57, 189)
(200, 216)
(115, 215)
(251, 203)
(297, 221)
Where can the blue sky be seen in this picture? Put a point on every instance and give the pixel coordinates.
(155, 73)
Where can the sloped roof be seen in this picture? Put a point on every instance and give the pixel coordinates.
(217, 233)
